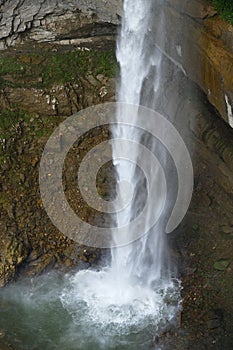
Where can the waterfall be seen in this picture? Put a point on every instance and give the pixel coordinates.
(140, 65)
(135, 295)
(135, 292)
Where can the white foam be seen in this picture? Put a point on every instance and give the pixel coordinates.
(229, 111)
(96, 299)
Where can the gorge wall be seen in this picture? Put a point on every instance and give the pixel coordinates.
(203, 46)
(56, 21)
(202, 43)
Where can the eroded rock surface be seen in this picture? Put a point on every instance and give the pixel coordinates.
(49, 21)
(202, 45)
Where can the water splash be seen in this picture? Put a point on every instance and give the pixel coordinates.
(78, 312)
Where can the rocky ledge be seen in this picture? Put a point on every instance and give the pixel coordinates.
(57, 21)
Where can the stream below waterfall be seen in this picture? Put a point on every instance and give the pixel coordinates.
(82, 312)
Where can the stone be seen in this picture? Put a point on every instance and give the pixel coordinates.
(221, 264)
(213, 324)
(226, 229)
(72, 23)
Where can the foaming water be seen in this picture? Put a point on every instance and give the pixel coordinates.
(115, 308)
(82, 312)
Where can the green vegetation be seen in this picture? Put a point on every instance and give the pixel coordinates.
(44, 69)
(225, 9)
(16, 122)
(7, 120)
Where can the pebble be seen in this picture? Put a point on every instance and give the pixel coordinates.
(221, 264)
(2, 333)
(226, 229)
(213, 324)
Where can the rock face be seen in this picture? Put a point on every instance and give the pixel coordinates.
(60, 99)
(202, 45)
(63, 63)
(34, 99)
(54, 20)
(30, 243)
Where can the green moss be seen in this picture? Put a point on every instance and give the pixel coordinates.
(8, 119)
(45, 131)
(47, 68)
(3, 199)
(225, 9)
(31, 124)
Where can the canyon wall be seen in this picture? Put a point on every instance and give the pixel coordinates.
(201, 43)
(56, 21)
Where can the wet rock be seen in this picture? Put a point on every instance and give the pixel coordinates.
(10, 208)
(13, 254)
(42, 264)
(69, 22)
(103, 91)
(92, 80)
(216, 319)
(34, 255)
(60, 99)
(22, 177)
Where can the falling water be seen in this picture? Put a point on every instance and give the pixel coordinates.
(137, 63)
(146, 260)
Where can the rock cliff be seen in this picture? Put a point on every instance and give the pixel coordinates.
(53, 20)
(202, 44)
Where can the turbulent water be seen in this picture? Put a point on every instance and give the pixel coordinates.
(125, 304)
(65, 312)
